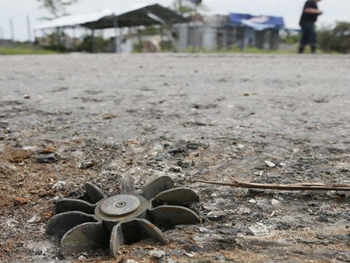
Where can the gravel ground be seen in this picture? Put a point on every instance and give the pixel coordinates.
(273, 119)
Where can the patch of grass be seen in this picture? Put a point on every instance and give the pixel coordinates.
(23, 51)
(254, 50)
(235, 50)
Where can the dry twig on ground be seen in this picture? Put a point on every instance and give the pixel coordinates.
(290, 187)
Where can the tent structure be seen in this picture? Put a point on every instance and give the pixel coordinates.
(107, 19)
(74, 20)
(145, 16)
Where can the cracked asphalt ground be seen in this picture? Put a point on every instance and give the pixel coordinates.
(255, 118)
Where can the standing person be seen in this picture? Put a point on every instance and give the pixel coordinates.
(307, 24)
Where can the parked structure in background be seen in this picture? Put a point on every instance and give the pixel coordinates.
(170, 29)
(229, 31)
(149, 15)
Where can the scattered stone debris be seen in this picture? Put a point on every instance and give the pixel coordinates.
(270, 164)
(20, 201)
(46, 158)
(97, 119)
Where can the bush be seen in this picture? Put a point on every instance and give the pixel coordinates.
(23, 51)
(335, 39)
(289, 37)
(100, 44)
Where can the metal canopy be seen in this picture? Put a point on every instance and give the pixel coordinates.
(74, 20)
(145, 16)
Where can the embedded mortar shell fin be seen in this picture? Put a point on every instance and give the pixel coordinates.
(157, 186)
(84, 237)
(94, 193)
(131, 231)
(68, 204)
(177, 196)
(61, 223)
(168, 216)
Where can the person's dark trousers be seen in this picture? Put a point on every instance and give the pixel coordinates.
(308, 37)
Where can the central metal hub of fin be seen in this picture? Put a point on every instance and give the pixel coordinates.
(119, 205)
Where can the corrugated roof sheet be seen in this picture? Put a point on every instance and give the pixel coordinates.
(145, 16)
(75, 20)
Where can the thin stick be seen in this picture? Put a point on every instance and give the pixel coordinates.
(290, 187)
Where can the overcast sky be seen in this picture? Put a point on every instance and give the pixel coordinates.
(20, 11)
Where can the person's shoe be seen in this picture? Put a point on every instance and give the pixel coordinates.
(301, 50)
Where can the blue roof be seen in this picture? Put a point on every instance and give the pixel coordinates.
(256, 22)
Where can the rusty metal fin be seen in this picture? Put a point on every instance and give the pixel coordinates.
(66, 205)
(94, 193)
(59, 224)
(84, 237)
(133, 231)
(168, 216)
(177, 196)
(158, 185)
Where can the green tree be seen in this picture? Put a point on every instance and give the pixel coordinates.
(56, 8)
(94, 44)
(289, 36)
(187, 7)
(336, 38)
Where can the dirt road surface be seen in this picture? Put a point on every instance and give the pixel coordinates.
(256, 118)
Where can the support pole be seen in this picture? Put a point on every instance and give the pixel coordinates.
(92, 40)
(12, 31)
(74, 40)
(116, 39)
(35, 43)
(58, 42)
(139, 39)
(2, 33)
(29, 30)
(195, 30)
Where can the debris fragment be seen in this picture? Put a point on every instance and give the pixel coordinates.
(46, 158)
(33, 219)
(48, 150)
(157, 254)
(60, 185)
(87, 164)
(270, 164)
(216, 215)
(19, 201)
(259, 229)
(109, 116)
